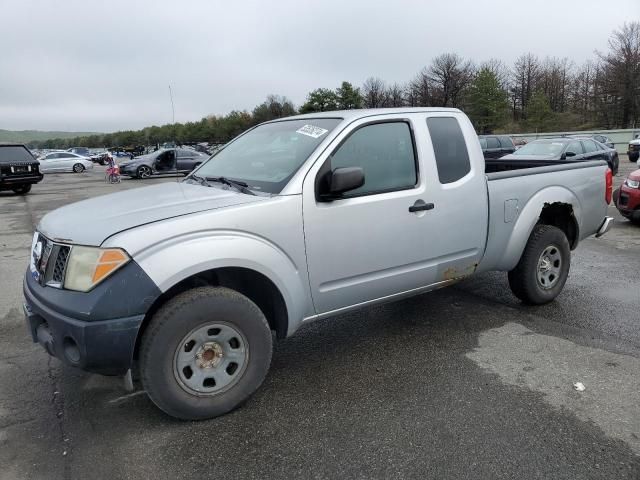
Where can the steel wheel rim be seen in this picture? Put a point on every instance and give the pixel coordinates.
(210, 359)
(549, 267)
(145, 172)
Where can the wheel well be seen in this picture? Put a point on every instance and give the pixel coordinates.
(561, 215)
(254, 285)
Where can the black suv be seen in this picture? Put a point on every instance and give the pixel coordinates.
(496, 146)
(18, 169)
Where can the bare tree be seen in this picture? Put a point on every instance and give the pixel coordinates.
(500, 70)
(395, 96)
(374, 93)
(622, 64)
(555, 75)
(418, 91)
(525, 77)
(450, 75)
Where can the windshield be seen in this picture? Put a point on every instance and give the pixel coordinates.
(541, 147)
(266, 157)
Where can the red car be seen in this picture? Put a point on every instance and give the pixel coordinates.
(628, 198)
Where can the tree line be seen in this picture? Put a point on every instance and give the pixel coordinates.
(533, 94)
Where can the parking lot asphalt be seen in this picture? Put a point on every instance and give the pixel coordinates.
(464, 382)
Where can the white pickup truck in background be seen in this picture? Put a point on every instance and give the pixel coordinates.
(297, 219)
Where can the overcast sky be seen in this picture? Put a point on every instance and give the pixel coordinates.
(105, 66)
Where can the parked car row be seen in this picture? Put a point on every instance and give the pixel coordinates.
(545, 150)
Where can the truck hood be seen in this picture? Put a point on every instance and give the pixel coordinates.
(92, 221)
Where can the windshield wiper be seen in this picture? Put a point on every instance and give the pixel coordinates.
(202, 181)
(241, 186)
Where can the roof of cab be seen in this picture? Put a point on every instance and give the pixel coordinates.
(367, 112)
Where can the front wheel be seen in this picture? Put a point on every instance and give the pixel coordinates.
(78, 168)
(22, 189)
(543, 268)
(204, 353)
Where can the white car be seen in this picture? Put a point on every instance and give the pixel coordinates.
(64, 162)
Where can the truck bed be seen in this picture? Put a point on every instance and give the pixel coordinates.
(515, 203)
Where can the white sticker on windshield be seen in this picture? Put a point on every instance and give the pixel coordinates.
(312, 131)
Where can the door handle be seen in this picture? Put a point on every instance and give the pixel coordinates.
(418, 207)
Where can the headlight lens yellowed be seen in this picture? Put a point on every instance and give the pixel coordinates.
(88, 266)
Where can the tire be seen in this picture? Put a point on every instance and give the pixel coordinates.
(220, 321)
(22, 189)
(143, 171)
(78, 168)
(538, 279)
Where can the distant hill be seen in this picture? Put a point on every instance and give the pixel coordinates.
(26, 136)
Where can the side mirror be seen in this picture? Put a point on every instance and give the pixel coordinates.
(345, 179)
(570, 154)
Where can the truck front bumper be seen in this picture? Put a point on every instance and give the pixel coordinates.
(96, 330)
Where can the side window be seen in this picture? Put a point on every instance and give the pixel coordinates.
(589, 146)
(492, 142)
(483, 143)
(449, 148)
(505, 142)
(575, 147)
(385, 152)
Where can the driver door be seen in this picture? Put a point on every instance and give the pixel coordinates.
(367, 244)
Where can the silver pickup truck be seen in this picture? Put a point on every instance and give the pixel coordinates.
(295, 220)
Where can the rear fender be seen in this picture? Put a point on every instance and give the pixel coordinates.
(528, 218)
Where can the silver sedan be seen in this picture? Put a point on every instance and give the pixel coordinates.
(64, 162)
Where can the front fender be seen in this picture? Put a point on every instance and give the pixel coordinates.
(528, 218)
(171, 261)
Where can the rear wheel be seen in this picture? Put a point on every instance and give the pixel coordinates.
(204, 353)
(78, 168)
(22, 189)
(143, 171)
(543, 268)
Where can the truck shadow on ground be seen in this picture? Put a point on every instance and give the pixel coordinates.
(387, 391)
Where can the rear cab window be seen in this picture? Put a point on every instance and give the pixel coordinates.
(449, 148)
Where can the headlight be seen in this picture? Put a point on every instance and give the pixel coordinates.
(88, 266)
(632, 183)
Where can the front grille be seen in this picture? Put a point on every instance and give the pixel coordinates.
(52, 264)
(60, 265)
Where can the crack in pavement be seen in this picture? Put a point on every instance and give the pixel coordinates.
(57, 402)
